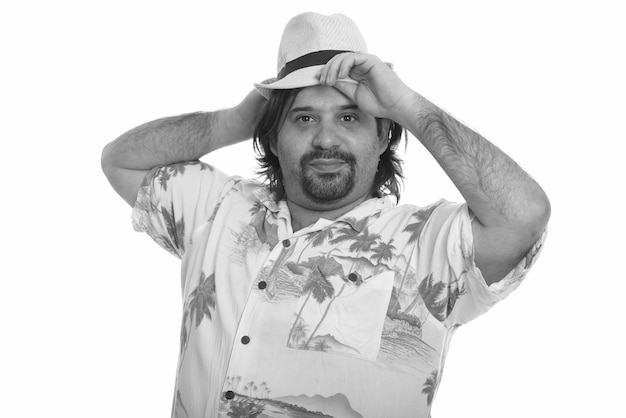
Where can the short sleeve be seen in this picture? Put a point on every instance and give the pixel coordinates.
(174, 200)
(452, 280)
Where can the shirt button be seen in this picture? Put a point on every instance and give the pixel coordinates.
(262, 285)
(286, 243)
(245, 339)
(352, 277)
(229, 394)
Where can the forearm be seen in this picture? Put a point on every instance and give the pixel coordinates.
(182, 138)
(163, 141)
(497, 190)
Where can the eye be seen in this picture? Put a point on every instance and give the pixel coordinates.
(348, 118)
(304, 118)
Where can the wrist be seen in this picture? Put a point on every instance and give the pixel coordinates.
(413, 107)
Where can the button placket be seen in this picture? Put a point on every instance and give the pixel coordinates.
(243, 340)
(284, 251)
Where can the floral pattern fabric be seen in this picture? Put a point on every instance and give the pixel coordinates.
(344, 318)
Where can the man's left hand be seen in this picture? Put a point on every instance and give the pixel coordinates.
(379, 92)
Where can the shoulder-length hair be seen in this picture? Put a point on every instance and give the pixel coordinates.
(388, 179)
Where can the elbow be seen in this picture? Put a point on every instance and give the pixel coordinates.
(106, 159)
(543, 209)
(536, 215)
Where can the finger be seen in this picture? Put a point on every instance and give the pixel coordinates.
(331, 70)
(355, 66)
(324, 72)
(345, 67)
(347, 88)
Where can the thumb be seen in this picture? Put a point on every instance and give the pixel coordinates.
(348, 88)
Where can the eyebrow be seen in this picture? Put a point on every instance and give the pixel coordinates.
(353, 107)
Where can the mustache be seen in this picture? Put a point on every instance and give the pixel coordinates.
(330, 154)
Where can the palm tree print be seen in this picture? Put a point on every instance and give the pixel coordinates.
(430, 387)
(454, 296)
(316, 285)
(361, 241)
(348, 233)
(306, 344)
(439, 303)
(263, 389)
(364, 241)
(267, 232)
(202, 299)
(433, 295)
(316, 240)
(383, 251)
(298, 331)
(321, 268)
(172, 170)
(163, 176)
(258, 214)
(199, 306)
(415, 230)
(320, 237)
(321, 345)
(174, 239)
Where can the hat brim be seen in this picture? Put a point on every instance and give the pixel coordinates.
(304, 77)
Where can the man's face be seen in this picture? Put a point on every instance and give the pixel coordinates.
(328, 150)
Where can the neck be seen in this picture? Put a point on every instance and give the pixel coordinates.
(303, 216)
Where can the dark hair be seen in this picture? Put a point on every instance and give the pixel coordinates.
(388, 179)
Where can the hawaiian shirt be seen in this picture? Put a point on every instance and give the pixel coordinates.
(345, 318)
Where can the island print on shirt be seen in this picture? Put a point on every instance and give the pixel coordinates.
(322, 280)
(253, 399)
(368, 273)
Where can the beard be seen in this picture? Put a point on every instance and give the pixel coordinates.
(327, 187)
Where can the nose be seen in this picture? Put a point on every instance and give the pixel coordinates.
(326, 136)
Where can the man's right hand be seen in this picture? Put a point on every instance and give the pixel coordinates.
(244, 116)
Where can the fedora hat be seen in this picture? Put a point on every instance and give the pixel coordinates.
(309, 41)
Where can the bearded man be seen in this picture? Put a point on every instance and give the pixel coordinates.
(315, 292)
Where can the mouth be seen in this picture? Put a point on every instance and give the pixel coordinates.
(330, 165)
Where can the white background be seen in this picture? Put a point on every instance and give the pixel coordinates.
(90, 310)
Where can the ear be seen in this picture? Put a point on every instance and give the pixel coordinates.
(383, 137)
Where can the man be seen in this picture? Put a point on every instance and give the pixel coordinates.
(314, 294)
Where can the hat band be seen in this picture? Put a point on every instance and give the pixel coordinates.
(308, 60)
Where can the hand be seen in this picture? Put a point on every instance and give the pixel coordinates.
(244, 116)
(379, 91)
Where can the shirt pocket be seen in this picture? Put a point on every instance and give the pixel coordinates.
(343, 315)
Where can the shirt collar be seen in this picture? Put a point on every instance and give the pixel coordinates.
(367, 212)
(358, 218)
(268, 199)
